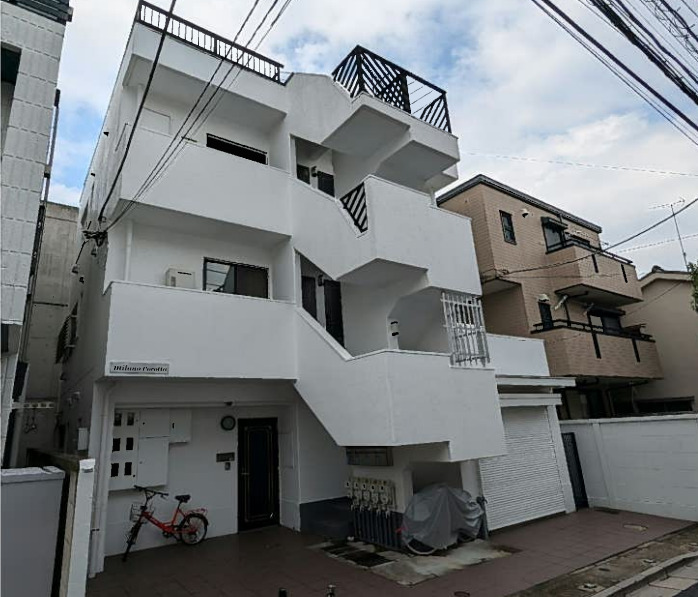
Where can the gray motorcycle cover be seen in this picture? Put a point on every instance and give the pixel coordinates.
(439, 514)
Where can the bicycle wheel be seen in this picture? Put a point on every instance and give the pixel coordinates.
(419, 548)
(131, 540)
(193, 528)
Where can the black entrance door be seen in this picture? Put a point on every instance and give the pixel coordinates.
(333, 310)
(575, 468)
(258, 473)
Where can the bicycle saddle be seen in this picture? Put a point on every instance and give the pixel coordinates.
(183, 498)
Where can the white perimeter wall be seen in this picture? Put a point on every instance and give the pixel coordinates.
(647, 465)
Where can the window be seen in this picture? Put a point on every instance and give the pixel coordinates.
(554, 233)
(236, 278)
(507, 227)
(303, 173)
(325, 183)
(608, 321)
(546, 315)
(242, 151)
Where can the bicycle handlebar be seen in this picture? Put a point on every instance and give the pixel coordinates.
(148, 490)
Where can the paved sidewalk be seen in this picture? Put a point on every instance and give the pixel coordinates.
(258, 563)
(682, 582)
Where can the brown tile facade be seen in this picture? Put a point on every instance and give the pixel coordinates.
(511, 300)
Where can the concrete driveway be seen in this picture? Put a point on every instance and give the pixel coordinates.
(258, 563)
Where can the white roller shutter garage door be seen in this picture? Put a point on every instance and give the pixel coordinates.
(525, 484)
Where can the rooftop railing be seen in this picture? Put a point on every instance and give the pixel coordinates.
(155, 17)
(362, 71)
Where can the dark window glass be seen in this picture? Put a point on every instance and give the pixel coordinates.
(507, 227)
(609, 322)
(554, 236)
(129, 443)
(117, 419)
(309, 295)
(303, 173)
(325, 183)
(115, 469)
(546, 315)
(127, 469)
(242, 151)
(130, 419)
(10, 66)
(116, 444)
(236, 278)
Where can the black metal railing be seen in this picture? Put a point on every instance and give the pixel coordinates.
(187, 32)
(556, 324)
(575, 242)
(56, 10)
(362, 71)
(355, 204)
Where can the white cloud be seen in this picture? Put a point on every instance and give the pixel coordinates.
(516, 85)
(59, 193)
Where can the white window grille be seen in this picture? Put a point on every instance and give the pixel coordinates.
(465, 327)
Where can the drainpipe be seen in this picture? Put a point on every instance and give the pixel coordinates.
(129, 243)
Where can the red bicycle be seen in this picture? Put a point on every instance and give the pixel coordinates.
(189, 527)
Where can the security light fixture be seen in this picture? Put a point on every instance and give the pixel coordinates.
(75, 269)
(525, 213)
(543, 298)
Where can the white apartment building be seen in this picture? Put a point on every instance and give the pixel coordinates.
(32, 40)
(285, 312)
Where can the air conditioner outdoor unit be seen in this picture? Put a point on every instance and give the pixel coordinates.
(180, 278)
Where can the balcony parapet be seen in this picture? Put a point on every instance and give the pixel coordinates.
(363, 71)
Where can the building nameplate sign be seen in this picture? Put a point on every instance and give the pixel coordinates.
(130, 368)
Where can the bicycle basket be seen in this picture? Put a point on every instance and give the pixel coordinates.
(136, 512)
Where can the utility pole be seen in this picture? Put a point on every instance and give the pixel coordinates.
(676, 225)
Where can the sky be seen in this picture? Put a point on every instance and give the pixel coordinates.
(517, 86)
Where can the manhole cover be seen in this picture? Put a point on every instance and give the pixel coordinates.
(590, 587)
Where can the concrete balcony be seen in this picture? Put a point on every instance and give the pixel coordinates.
(200, 334)
(580, 352)
(209, 183)
(398, 398)
(595, 275)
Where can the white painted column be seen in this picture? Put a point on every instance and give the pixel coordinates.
(470, 477)
(82, 523)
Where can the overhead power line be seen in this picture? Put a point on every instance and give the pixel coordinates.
(158, 171)
(666, 241)
(139, 111)
(661, 104)
(581, 164)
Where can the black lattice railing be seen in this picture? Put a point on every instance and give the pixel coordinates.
(355, 204)
(186, 31)
(362, 71)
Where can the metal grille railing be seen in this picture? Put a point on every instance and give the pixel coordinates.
(355, 204)
(186, 31)
(362, 71)
(465, 327)
(67, 337)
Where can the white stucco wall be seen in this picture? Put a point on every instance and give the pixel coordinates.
(647, 465)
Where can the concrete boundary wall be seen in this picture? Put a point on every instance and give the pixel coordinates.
(640, 464)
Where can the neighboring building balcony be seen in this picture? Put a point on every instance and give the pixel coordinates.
(594, 275)
(579, 349)
(200, 334)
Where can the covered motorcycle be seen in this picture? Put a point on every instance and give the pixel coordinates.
(438, 516)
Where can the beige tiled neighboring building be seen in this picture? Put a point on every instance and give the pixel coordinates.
(578, 308)
(666, 310)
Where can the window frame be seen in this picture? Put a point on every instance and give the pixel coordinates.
(507, 222)
(246, 149)
(208, 260)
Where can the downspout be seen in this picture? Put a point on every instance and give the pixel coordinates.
(129, 244)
